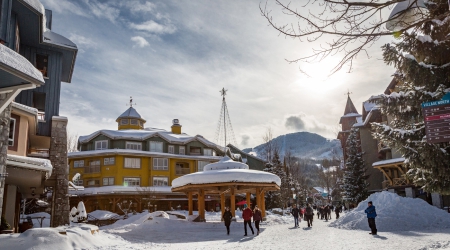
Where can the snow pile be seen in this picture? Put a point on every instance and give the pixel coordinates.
(395, 213)
(102, 214)
(135, 220)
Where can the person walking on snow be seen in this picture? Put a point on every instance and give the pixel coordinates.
(309, 214)
(227, 216)
(295, 212)
(257, 217)
(371, 214)
(337, 210)
(247, 216)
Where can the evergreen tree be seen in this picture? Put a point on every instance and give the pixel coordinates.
(422, 60)
(277, 199)
(354, 181)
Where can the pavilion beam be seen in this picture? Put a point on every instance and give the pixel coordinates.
(222, 205)
(201, 204)
(258, 197)
(263, 205)
(190, 203)
(247, 199)
(233, 202)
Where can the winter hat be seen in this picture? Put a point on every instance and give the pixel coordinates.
(245, 205)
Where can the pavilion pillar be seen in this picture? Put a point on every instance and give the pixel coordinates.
(201, 205)
(247, 199)
(222, 205)
(258, 197)
(190, 203)
(263, 205)
(233, 203)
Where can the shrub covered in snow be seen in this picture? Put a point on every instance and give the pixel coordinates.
(395, 213)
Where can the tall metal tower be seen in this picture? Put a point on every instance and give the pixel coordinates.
(224, 131)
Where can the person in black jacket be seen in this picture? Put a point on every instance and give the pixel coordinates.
(337, 210)
(309, 214)
(295, 212)
(227, 216)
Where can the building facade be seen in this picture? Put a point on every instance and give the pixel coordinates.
(133, 163)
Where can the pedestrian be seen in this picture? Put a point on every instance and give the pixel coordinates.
(295, 212)
(227, 216)
(371, 214)
(329, 212)
(247, 216)
(257, 217)
(318, 212)
(337, 210)
(309, 214)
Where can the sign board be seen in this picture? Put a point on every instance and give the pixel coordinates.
(437, 120)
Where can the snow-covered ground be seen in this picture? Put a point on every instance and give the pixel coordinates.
(404, 228)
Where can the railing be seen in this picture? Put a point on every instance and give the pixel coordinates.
(39, 152)
(182, 171)
(385, 184)
(399, 181)
(91, 169)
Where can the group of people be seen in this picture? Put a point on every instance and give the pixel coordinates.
(247, 215)
(307, 213)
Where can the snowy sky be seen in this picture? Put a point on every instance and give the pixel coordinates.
(174, 57)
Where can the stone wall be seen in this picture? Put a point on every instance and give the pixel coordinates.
(5, 117)
(60, 175)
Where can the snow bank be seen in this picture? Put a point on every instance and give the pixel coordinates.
(395, 213)
(135, 220)
(102, 214)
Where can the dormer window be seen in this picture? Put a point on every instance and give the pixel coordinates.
(134, 145)
(42, 64)
(208, 152)
(156, 146)
(124, 122)
(101, 145)
(134, 122)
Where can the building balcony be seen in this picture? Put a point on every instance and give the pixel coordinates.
(39, 152)
(91, 169)
(182, 171)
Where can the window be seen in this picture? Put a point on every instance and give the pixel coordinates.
(132, 182)
(39, 101)
(160, 164)
(42, 64)
(101, 145)
(93, 182)
(201, 165)
(108, 181)
(109, 161)
(160, 181)
(94, 163)
(156, 146)
(195, 151)
(134, 122)
(182, 150)
(78, 164)
(171, 149)
(208, 151)
(132, 163)
(78, 182)
(12, 131)
(124, 122)
(182, 168)
(134, 145)
(17, 40)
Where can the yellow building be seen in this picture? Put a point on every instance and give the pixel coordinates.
(136, 165)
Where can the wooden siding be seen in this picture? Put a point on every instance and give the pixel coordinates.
(5, 12)
(51, 88)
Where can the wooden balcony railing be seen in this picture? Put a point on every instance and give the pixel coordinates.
(91, 169)
(399, 181)
(182, 171)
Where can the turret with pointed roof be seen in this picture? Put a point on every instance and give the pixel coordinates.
(130, 119)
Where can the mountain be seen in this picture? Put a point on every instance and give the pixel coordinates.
(304, 145)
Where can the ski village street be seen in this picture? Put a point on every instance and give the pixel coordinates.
(333, 127)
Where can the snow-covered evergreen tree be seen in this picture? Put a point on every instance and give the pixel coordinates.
(277, 198)
(354, 183)
(422, 60)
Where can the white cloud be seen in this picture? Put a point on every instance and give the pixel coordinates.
(103, 10)
(139, 41)
(81, 41)
(137, 6)
(154, 27)
(62, 6)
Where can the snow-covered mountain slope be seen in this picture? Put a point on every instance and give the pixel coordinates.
(305, 145)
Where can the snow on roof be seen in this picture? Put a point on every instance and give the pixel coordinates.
(368, 106)
(142, 135)
(351, 115)
(36, 5)
(130, 113)
(140, 153)
(321, 190)
(390, 161)
(25, 108)
(30, 163)
(59, 40)
(19, 63)
(120, 189)
(226, 170)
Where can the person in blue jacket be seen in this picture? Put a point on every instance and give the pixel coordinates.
(371, 214)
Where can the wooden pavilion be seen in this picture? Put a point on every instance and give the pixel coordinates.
(226, 178)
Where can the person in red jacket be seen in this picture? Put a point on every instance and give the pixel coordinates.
(247, 215)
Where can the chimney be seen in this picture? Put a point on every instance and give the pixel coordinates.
(176, 127)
